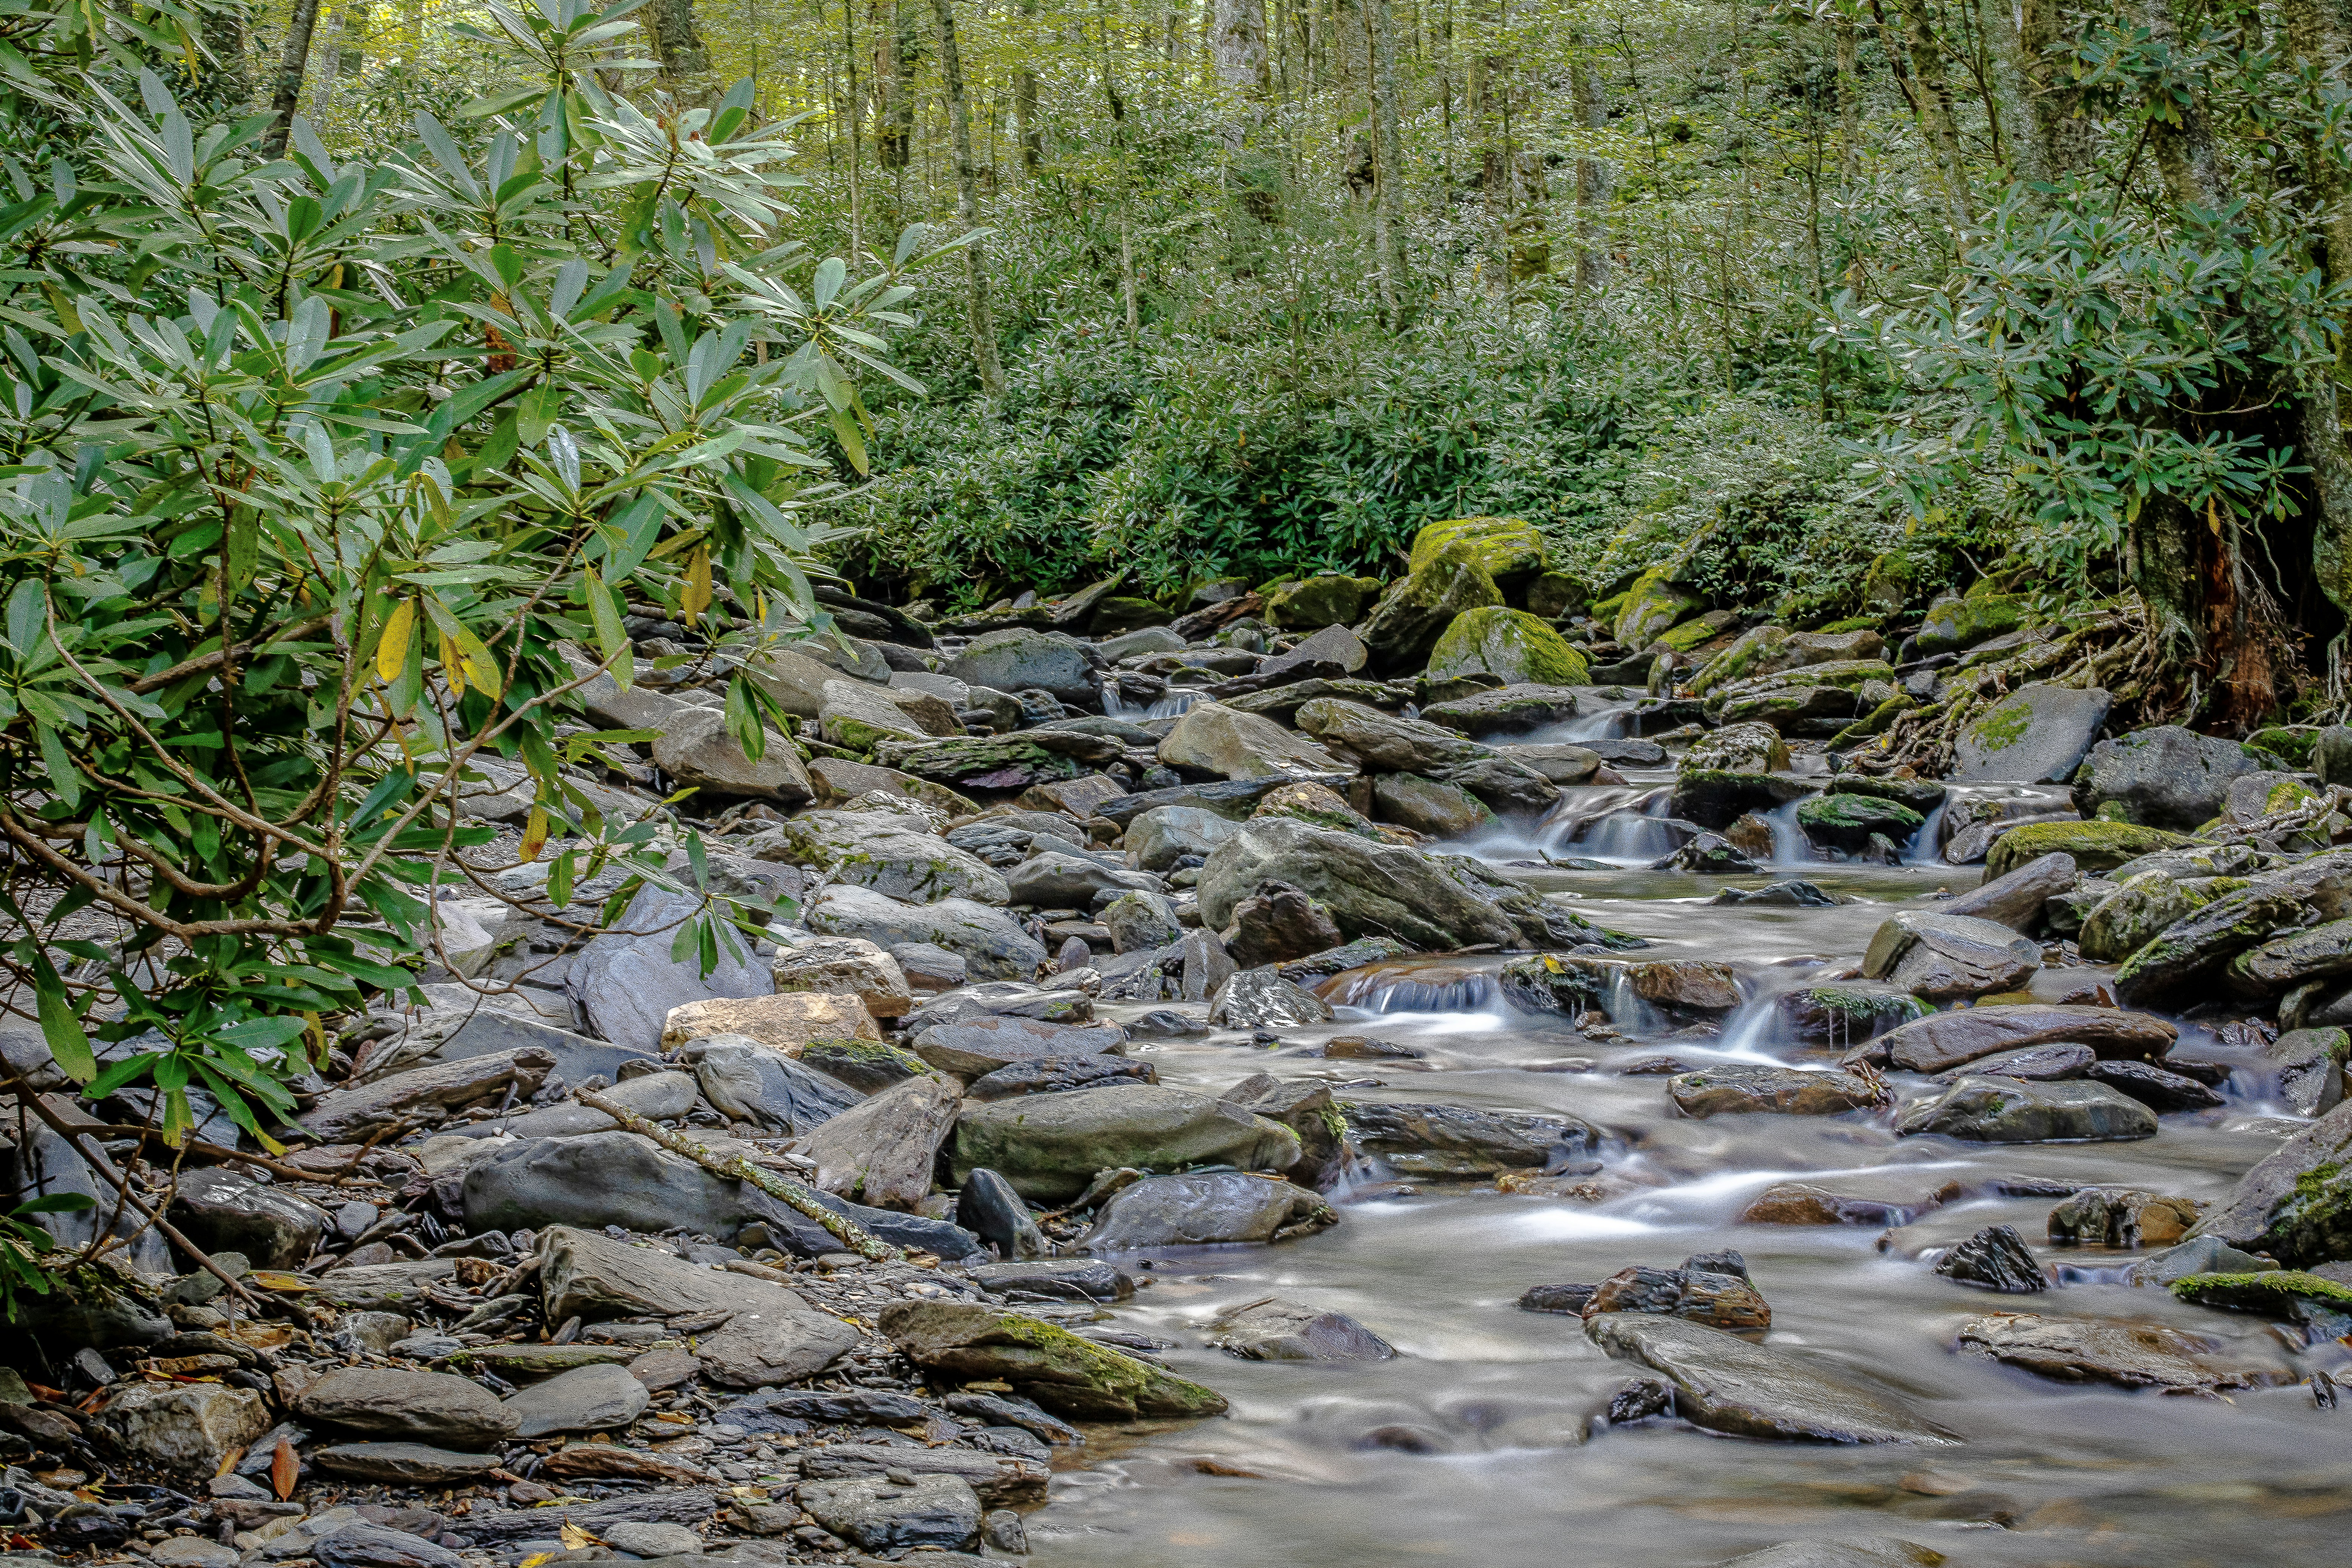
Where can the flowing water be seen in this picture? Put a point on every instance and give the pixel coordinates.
(1471, 1445)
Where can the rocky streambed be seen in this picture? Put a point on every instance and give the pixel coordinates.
(1330, 1080)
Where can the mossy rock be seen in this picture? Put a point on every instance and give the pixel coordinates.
(1511, 550)
(964, 1341)
(1697, 632)
(1510, 644)
(1415, 612)
(1310, 604)
(1653, 607)
(1847, 1015)
(2277, 1292)
(1874, 722)
(1958, 623)
(867, 1066)
(1556, 595)
(1890, 583)
(1847, 821)
(1113, 616)
(2290, 743)
(1605, 610)
(2096, 846)
(1854, 624)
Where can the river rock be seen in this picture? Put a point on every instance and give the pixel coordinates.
(1276, 1330)
(1428, 805)
(1998, 1259)
(785, 1022)
(1846, 1014)
(895, 855)
(1054, 881)
(1736, 749)
(1021, 660)
(1141, 922)
(2036, 1064)
(1062, 1278)
(1561, 763)
(2037, 734)
(1206, 1209)
(2164, 776)
(1719, 1300)
(1742, 1087)
(881, 1151)
(1049, 1146)
(628, 983)
(2154, 1087)
(747, 1081)
(221, 1210)
(656, 1096)
(969, 1342)
(1882, 1198)
(980, 1046)
(585, 1399)
(404, 1404)
(1051, 1075)
(879, 1514)
(1725, 1384)
(1305, 1106)
(2016, 898)
(1262, 998)
(2310, 1066)
(1510, 645)
(404, 1464)
(194, 1428)
(1160, 837)
(2106, 1350)
(2010, 1110)
(2123, 1217)
(1276, 924)
(1942, 1040)
(991, 943)
(2139, 907)
(989, 1208)
(1417, 609)
(364, 1545)
(1452, 1141)
(1369, 888)
(2296, 1204)
(855, 716)
(1853, 1552)
(1513, 707)
(1715, 798)
(1946, 957)
(1574, 982)
(1212, 738)
(695, 749)
(1847, 821)
(1382, 742)
(348, 1115)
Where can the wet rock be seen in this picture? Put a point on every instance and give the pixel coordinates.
(1368, 889)
(2037, 734)
(989, 1208)
(396, 1403)
(1212, 738)
(1715, 798)
(1061, 1279)
(191, 1427)
(1725, 1384)
(1789, 893)
(747, 1081)
(2123, 1217)
(2291, 1293)
(682, 1506)
(1003, 762)
(1575, 984)
(1846, 822)
(884, 1515)
(1427, 805)
(2192, 947)
(1709, 855)
(2323, 951)
(1139, 922)
(1385, 742)
(845, 964)
(1873, 1198)
(2296, 1204)
(1049, 1146)
(2310, 1066)
(585, 1399)
(2011, 1111)
(1051, 1075)
(991, 943)
(1275, 1330)
(1416, 609)
(1018, 660)
(2016, 900)
(1998, 1259)
(1068, 1375)
(881, 1151)
(1205, 963)
(2206, 1255)
(997, 1478)
(1555, 1298)
(2153, 1087)
(1510, 645)
(599, 1178)
(1275, 924)
(2164, 776)
(2134, 911)
(2096, 846)
(1740, 1087)
(1562, 763)
(1451, 1141)
(1943, 1040)
(375, 1546)
(1306, 1107)
(1262, 998)
(931, 968)
(1158, 838)
(1719, 1300)
(1846, 1014)
(2103, 1350)
(980, 1046)
(221, 1210)
(2036, 1064)
(1856, 1552)
(1513, 707)
(1206, 1209)
(1054, 881)
(1946, 957)
(696, 750)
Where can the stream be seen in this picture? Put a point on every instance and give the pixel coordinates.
(1476, 1443)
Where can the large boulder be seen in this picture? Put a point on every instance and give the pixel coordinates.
(1023, 661)
(695, 749)
(844, 966)
(749, 1082)
(1159, 836)
(1418, 607)
(2161, 777)
(195, 1428)
(403, 1402)
(1736, 749)
(1848, 822)
(1652, 607)
(2296, 1204)
(1945, 958)
(1384, 742)
(1945, 1040)
(977, 1046)
(993, 944)
(794, 681)
(1511, 550)
(1515, 707)
(1956, 624)
(1054, 881)
(858, 717)
(1459, 1141)
(2075, 1350)
(1289, 1330)
(1771, 650)
(1989, 1110)
(1049, 1146)
(222, 1211)
(896, 856)
(1511, 644)
(1208, 1209)
(2197, 944)
(881, 1151)
(627, 982)
(2037, 734)
(1310, 604)
(596, 1179)
(2140, 906)
(1725, 1384)
(1368, 889)
(967, 1342)
(2096, 846)
(1212, 738)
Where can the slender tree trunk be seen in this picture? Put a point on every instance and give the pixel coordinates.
(331, 66)
(1930, 90)
(1028, 129)
(1848, 92)
(975, 276)
(678, 42)
(894, 139)
(2010, 93)
(226, 82)
(2062, 134)
(1592, 175)
(291, 65)
(1388, 209)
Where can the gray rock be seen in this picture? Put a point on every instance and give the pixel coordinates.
(1147, 640)
(1331, 644)
(1063, 1279)
(2016, 900)
(396, 1403)
(1157, 837)
(652, 1538)
(895, 855)
(882, 1151)
(1855, 1551)
(1203, 964)
(193, 1428)
(221, 1210)
(2310, 1065)
(676, 1506)
(1276, 1330)
(1984, 1109)
(1369, 888)
(627, 983)
(657, 1097)
(881, 1514)
(1946, 957)
(2037, 734)
(1207, 1208)
(586, 1399)
(1212, 738)
(405, 1464)
(1262, 998)
(747, 1081)
(374, 1546)
(1049, 1146)
(1139, 922)
(998, 1478)
(597, 1179)
(1454, 1140)
(989, 1208)
(2038, 1063)
(695, 749)
(2162, 777)
(1998, 1259)
(1944, 1040)
(1054, 880)
(2099, 1350)
(930, 967)
(194, 1552)
(2296, 1204)
(1726, 1384)
(991, 943)
(855, 716)
(1018, 660)
(974, 1048)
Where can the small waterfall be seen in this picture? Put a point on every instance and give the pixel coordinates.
(1790, 844)
(1414, 988)
(1927, 846)
(1174, 705)
(1630, 829)
(1625, 1007)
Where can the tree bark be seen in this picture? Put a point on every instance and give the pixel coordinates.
(2062, 133)
(291, 65)
(1027, 129)
(983, 323)
(1389, 156)
(330, 64)
(677, 41)
(902, 49)
(1930, 90)
(1592, 175)
(1848, 92)
(226, 82)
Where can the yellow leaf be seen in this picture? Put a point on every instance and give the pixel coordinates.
(536, 1558)
(695, 597)
(574, 1537)
(451, 669)
(392, 653)
(534, 834)
(271, 1279)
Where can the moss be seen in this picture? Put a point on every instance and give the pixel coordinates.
(1874, 721)
(2290, 743)
(1864, 1006)
(1605, 610)
(1509, 643)
(1854, 624)
(2271, 1290)
(1505, 546)
(1692, 634)
(2096, 846)
(2004, 726)
(1959, 624)
(1334, 1123)
(1122, 1378)
(1651, 606)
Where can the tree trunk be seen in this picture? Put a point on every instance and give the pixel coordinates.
(2008, 94)
(331, 65)
(1848, 92)
(2063, 135)
(1389, 193)
(1027, 129)
(1930, 91)
(291, 65)
(227, 83)
(983, 324)
(1592, 175)
(902, 49)
(678, 42)
(1238, 47)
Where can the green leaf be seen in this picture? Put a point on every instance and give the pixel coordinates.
(68, 1045)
